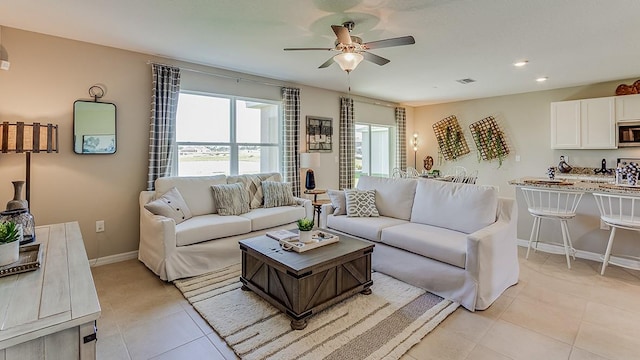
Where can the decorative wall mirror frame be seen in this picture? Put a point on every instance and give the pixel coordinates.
(94, 127)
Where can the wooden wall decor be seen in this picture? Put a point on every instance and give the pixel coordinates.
(489, 140)
(450, 138)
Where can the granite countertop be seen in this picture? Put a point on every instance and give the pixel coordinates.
(577, 185)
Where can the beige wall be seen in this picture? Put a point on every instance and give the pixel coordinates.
(525, 119)
(48, 74)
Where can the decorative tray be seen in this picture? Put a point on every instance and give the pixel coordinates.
(30, 259)
(320, 238)
(547, 182)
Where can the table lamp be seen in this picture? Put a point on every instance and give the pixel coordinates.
(308, 161)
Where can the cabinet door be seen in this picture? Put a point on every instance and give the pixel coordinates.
(565, 125)
(598, 123)
(628, 108)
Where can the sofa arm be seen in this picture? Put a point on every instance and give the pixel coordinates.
(308, 207)
(492, 254)
(325, 211)
(157, 237)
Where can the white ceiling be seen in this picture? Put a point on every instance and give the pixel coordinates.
(573, 42)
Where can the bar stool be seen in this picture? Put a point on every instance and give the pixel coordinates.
(618, 211)
(559, 205)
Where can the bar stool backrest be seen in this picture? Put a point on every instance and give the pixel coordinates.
(551, 202)
(619, 210)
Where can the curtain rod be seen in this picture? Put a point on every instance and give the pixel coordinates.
(236, 78)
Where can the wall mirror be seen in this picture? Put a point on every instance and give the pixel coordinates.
(94, 127)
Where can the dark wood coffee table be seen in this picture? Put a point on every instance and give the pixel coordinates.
(302, 284)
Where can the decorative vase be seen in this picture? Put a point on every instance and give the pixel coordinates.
(18, 202)
(305, 236)
(9, 253)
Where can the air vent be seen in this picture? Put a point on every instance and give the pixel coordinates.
(466, 81)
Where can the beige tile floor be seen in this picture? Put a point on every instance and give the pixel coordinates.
(553, 313)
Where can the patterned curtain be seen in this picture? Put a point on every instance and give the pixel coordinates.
(347, 144)
(291, 131)
(162, 127)
(401, 139)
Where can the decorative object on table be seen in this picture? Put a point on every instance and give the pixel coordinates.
(305, 225)
(551, 173)
(319, 134)
(603, 168)
(28, 138)
(318, 239)
(30, 258)
(308, 161)
(414, 143)
(23, 218)
(490, 140)
(630, 171)
(624, 89)
(10, 234)
(563, 166)
(450, 138)
(18, 202)
(427, 163)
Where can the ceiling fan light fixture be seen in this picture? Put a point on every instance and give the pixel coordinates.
(348, 61)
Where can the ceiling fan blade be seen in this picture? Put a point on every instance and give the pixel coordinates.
(326, 63)
(379, 60)
(296, 49)
(399, 41)
(342, 33)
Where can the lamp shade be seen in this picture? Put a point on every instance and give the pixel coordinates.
(21, 137)
(348, 61)
(309, 160)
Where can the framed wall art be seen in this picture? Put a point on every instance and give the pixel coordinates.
(319, 134)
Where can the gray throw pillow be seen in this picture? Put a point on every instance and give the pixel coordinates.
(171, 205)
(361, 203)
(277, 194)
(339, 202)
(231, 199)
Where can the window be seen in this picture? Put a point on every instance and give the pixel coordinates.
(226, 135)
(375, 150)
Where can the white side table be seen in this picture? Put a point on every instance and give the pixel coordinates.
(50, 313)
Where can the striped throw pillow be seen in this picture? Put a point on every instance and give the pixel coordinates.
(277, 194)
(231, 199)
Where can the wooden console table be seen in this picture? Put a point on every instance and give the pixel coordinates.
(51, 312)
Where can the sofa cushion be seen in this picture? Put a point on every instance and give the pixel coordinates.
(208, 227)
(460, 207)
(361, 203)
(447, 246)
(171, 205)
(253, 183)
(231, 199)
(265, 218)
(394, 197)
(277, 194)
(196, 191)
(365, 227)
(338, 201)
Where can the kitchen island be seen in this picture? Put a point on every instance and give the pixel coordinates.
(588, 235)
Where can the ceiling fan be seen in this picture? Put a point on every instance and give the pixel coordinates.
(353, 50)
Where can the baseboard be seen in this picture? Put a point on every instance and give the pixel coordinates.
(588, 255)
(113, 258)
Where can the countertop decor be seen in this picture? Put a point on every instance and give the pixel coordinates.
(578, 185)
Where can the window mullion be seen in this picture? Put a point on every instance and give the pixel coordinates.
(234, 145)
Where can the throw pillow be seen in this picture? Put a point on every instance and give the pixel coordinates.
(361, 203)
(338, 201)
(277, 194)
(231, 199)
(171, 205)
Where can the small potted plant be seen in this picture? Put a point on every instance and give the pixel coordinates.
(305, 225)
(10, 234)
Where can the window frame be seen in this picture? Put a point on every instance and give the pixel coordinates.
(232, 144)
(392, 149)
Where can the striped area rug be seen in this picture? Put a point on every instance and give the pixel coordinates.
(383, 325)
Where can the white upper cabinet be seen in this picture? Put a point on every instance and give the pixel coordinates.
(584, 124)
(628, 108)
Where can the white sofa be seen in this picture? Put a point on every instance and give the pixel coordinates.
(207, 241)
(456, 240)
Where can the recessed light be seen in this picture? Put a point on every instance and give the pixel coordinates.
(542, 79)
(520, 63)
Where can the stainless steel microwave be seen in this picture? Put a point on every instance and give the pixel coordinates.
(629, 134)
